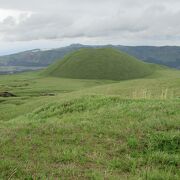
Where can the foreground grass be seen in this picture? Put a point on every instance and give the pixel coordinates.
(90, 129)
(80, 139)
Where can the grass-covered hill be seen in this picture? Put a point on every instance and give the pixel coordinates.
(102, 63)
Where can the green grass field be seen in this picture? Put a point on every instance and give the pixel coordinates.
(90, 129)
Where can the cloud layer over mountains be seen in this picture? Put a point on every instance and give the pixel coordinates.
(91, 21)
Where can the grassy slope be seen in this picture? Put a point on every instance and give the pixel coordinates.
(163, 84)
(103, 63)
(93, 130)
(29, 88)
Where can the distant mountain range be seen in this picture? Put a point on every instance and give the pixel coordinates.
(165, 55)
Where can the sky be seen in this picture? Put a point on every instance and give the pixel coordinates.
(47, 24)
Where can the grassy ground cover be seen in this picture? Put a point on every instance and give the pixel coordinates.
(90, 129)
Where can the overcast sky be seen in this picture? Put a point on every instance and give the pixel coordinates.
(55, 23)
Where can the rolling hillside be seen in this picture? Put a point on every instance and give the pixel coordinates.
(90, 129)
(101, 63)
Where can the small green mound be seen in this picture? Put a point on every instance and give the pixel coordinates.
(105, 63)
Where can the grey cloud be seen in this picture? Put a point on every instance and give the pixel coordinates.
(54, 26)
(116, 20)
